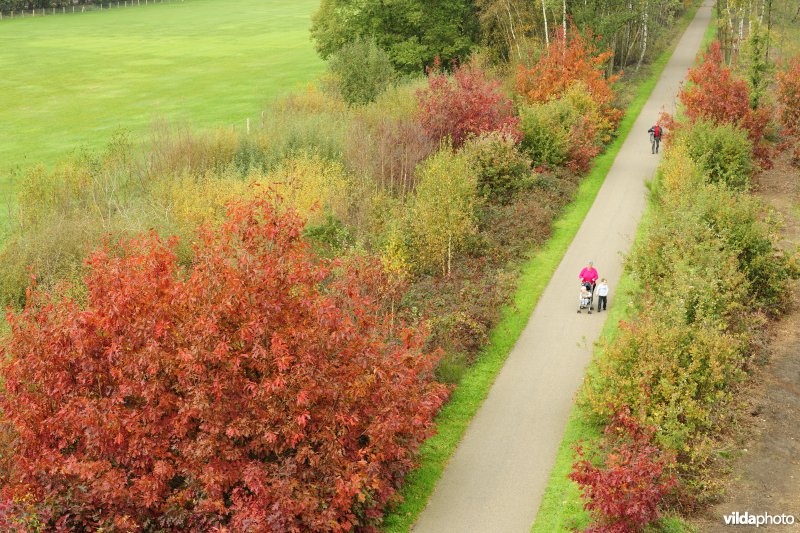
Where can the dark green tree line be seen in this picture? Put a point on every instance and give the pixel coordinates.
(415, 32)
(14, 5)
(412, 32)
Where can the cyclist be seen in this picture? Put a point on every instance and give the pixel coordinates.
(655, 137)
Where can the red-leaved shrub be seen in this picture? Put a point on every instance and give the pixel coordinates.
(259, 389)
(716, 94)
(464, 104)
(789, 101)
(569, 59)
(623, 493)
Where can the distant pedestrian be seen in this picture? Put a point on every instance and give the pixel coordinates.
(655, 137)
(602, 295)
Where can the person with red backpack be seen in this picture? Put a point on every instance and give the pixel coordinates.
(655, 137)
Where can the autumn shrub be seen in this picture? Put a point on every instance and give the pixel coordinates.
(360, 71)
(179, 204)
(724, 152)
(789, 105)
(500, 167)
(99, 183)
(715, 94)
(572, 59)
(547, 131)
(387, 150)
(509, 230)
(312, 185)
(624, 492)
(561, 131)
(732, 220)
(23, 515)
(51, 252)
(176, 149)
(62, 212)
(260, 388)
(441, 213)
(463, 104)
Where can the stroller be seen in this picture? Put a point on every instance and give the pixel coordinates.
(586, 297)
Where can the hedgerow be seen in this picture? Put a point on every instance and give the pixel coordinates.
(709, 274)
(724, 152)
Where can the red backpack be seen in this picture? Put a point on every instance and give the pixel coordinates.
(657, 131)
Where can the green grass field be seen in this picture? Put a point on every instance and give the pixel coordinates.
(69, 81)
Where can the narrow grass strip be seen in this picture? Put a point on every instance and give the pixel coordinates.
(534, 277)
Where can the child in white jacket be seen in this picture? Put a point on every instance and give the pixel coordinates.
(602, 295)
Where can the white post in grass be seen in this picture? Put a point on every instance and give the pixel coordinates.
(248, 125)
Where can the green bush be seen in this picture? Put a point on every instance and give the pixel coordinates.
(501, 169)
(360, 71)
(692, 208)
(723, 152)
(546, 130)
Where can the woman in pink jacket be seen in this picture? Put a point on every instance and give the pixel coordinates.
(589, 275)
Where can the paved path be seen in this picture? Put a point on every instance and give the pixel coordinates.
(495, 480)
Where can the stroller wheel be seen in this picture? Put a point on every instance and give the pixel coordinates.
(579, 311)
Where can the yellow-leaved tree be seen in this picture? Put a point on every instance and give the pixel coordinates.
(441, 214)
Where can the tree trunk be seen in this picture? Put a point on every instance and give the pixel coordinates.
(449, 252)
(546, 31)
(769, 28)
(644, 36)
(564, 18)
(511, 27)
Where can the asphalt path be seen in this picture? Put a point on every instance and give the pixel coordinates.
(495, 480)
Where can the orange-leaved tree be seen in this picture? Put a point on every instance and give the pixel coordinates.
(716, 94)
(572, 58)
(789, 101)
(258, 389)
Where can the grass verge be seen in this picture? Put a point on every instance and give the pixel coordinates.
(535, 274)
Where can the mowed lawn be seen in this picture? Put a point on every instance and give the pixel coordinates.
(70, 81)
